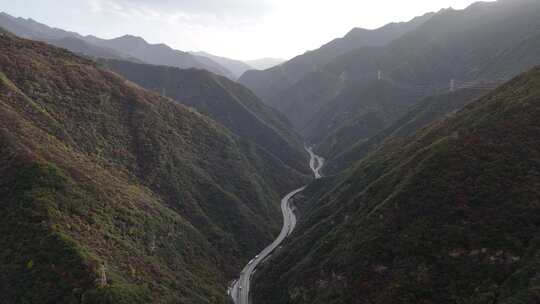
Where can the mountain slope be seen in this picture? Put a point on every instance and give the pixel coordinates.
(422, 114)
(113, 194)
(358, 113)
(224, 101)
(514, 60)
(268, 84)
(82, 47)
(159, 54)
(449, 215)
(465, 45)
(30, 29)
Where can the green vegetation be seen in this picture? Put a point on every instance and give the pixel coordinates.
(226, 102)
(421, 115)
(448, 215)
(367, 109)
(331, 94)
(113, 194)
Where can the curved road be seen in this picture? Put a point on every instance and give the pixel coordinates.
(239, 291)
(316, 163)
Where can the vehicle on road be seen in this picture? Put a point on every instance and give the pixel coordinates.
(288, 215)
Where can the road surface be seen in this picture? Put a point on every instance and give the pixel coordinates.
(315, 162)
(239, 291)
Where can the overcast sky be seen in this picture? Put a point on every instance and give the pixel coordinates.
(242, 29)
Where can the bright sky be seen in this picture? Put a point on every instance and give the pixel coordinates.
(242, 29)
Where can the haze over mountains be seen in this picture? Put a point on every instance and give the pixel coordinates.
(129, 47)
(485, 42)
(131, 172)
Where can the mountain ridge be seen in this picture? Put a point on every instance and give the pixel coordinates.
(226, 102)
(431, 218)
(101, 177)
(139, 48)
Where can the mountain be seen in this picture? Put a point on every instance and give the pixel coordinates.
(123, 48)
(483, 43)
(480, 44)
(448, 215)
(31, 29)
(264, 63)
(82, 47)
(422, 114)
(159, 54)
(113, 194)
(236, 67)
(268, 84)
(513, 60)
(226, 102)
(358, 113)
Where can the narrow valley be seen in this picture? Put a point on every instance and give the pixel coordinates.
(240, 289)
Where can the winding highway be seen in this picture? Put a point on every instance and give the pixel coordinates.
(239, 290)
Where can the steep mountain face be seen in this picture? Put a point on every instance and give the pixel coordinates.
(452, 44)
(159, 54)
(363, 111)
(422, 114)
(226, 102)
(514, 60)
(236, 67)
(268, 84)
(112, 194)
(470, 45)
(123, 48)
(449, 215)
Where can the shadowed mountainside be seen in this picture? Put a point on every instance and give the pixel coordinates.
(421, 115)
(124, 48)
(447, 215)
(268, 84)
(487, 41)
(226, 102)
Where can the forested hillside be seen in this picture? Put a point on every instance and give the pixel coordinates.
(226, 102)
(113, 194)
(448, 215)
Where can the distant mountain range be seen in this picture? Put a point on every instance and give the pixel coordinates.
(129, 47)
(237, 67)
(265, 63)
(270, 83)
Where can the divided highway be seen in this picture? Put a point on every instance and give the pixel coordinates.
(239, 291)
